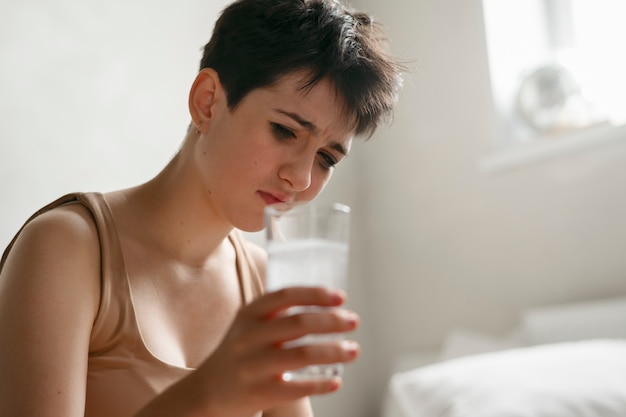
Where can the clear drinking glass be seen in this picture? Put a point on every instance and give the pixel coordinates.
(307, 245)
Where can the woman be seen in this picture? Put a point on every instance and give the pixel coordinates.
(147, 301)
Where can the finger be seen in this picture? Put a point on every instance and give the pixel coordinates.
(283, 390)
(274, 361)
(283, 328)
(299, 389)
(294, 326)
(316, 354)
(279, 360)
(272, 303)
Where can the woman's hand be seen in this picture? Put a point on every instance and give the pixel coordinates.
(244, 374)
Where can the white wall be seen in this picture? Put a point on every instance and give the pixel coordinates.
(93, 97)
(93, 94)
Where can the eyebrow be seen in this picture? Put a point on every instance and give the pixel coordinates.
(310, 126)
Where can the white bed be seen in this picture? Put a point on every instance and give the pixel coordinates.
(562, 361)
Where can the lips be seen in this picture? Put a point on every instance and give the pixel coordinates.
(271, 198)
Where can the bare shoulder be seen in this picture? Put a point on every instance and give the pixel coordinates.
(60, 244)
(50, 289)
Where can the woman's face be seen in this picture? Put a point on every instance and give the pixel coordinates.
(280, 143)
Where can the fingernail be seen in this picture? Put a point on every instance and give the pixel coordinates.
(351, 318)
(350, 347)
(335, 384)
(338, 297)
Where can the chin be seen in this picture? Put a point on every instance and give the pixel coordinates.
(252, 226)
(251, 229)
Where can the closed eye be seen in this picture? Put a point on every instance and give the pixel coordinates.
(281, 132)
(327, 160)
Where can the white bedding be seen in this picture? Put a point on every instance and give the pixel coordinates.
(569, 379)
(561, 361)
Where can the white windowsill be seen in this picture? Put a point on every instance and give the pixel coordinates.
(548, 148)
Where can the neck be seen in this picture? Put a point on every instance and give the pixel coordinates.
(174, 212)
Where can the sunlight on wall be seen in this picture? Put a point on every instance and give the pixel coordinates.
(555, 65)
(598, 55)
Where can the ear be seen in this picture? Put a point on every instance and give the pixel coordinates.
(205, 96)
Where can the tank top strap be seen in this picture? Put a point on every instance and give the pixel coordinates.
(250, 279)
(116, 315)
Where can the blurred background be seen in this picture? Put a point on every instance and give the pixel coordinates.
(499, 186)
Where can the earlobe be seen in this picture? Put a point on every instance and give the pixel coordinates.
(206, 93)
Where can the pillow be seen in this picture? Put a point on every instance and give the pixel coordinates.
(570, 379)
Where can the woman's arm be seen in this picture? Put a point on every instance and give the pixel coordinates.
(49, 292)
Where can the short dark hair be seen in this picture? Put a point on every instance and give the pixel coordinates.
(255, 42)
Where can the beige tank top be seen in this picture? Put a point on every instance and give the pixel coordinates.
(123, 375)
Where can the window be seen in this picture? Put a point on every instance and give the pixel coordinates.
(557, 72)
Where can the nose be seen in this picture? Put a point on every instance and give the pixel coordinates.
(297, 173)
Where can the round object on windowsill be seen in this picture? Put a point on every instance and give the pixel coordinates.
(544, 97)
